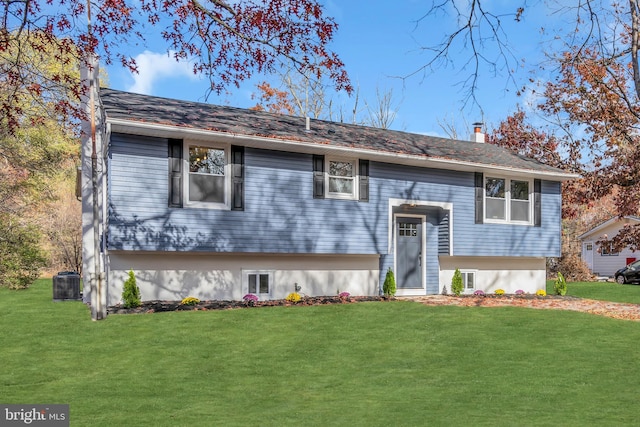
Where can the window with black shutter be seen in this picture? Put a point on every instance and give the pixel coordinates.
(340, 178)
(206, 175)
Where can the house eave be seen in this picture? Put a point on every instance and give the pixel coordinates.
(607, 223)
(281, 144)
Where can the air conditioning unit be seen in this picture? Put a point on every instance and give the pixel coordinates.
(66, 286)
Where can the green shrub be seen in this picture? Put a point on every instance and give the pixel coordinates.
(560, 285)
(20, 255)
(389, 286)
(456, 283)
(131, 292)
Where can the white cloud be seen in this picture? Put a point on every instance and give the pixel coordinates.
(153, 67)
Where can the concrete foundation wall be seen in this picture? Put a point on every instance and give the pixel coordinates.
(174, 276)
(508, 274)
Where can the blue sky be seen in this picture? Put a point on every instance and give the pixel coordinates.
(379, 41)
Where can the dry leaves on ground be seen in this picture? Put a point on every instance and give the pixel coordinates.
(601, 308)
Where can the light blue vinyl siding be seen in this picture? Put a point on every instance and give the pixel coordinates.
(469, 238)
(281, 216)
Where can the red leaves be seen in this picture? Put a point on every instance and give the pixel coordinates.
(522, 138)
(228, 41)
(274, 100)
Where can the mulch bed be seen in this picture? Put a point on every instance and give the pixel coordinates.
(601, 308)
(158, 306)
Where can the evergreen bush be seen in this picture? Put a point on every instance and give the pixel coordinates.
(560, 285)
(389, 286)
(131, 292)
(456, 283)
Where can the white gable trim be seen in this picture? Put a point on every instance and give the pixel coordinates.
(606, 224)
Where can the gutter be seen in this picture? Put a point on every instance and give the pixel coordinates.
(160, 130)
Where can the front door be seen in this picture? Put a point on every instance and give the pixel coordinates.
(409, 271)
(587, 254)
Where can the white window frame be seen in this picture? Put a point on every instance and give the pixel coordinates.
(356, 175)
(465, 274)
(507, 198)
(245, 283)
(227, 175)
(609, 252)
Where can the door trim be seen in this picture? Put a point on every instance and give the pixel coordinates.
(396, 203)
(423, 264)
(587, 255)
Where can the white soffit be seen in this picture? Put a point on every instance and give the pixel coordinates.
(271, 143)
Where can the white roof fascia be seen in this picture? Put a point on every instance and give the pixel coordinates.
(605, 224)
(170, 131)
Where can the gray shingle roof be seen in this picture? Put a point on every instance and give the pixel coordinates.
(193, 115)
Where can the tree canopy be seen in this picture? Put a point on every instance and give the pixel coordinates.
(586, 114)
(227, 40)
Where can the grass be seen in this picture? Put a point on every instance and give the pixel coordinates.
(366, 364)
(603, 291)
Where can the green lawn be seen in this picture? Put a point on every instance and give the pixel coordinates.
(366, 364)
(605, 291)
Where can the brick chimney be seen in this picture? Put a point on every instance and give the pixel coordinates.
(477, 135)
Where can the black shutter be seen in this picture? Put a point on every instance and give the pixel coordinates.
(175, 173)
(237, 178)
(364, 180)
(537, 202)
(318, 177)
(479, 196)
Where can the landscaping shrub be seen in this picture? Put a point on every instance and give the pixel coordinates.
(541, 293)
(389, 286)
(456, 283)
(131, 292)
(560, 285)
(499, 291)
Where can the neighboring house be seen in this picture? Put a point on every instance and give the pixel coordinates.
(216, 202)
(603, 260)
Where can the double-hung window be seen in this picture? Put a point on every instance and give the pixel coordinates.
(607, 249)
(508, 200)
(341, 178)
(208, 183)
(205, 174)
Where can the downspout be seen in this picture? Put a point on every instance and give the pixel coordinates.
(97, 294)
